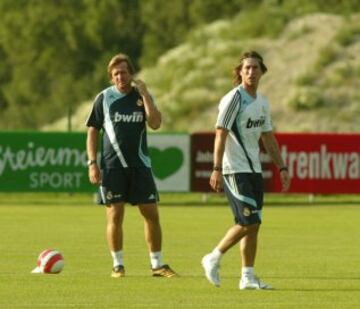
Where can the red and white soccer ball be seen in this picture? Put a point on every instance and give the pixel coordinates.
(49, 262)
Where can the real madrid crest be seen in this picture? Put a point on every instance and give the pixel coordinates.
(109, 195)
(246, 212)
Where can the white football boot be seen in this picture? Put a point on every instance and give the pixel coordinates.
(253, 283)
(211, 268)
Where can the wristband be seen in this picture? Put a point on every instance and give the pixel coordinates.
(217, 168)
(284, 168)
(91, 162)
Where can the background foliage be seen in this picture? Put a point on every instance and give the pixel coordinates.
(54, 53)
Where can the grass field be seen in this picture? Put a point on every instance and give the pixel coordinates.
(309, 252)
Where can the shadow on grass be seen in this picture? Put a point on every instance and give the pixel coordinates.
(178, 199)
(314, 278)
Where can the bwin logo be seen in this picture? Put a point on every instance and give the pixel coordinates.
(134, 117)
(255, 123)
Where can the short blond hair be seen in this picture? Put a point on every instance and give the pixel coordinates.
(117, 59)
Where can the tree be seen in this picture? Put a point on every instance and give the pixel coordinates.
(166, 24)
(56, 54)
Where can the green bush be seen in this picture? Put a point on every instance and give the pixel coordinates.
(327, 55)
(306, 98)
(307, 79)
(348, 34)
(305, 29)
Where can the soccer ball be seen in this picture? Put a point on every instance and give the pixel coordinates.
(49, 262)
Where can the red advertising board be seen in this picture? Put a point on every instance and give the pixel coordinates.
(202, 146)
(318, 163)
(321, 163)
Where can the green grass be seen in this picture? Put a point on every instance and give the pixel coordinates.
(309, 252)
